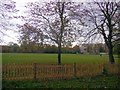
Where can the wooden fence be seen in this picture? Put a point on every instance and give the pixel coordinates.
(38, 71)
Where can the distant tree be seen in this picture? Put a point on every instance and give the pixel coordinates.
(14, 48)
(101, 49)
(11, 47)
(76, 49)
(31, 38)
(5, 49)
(50, 49)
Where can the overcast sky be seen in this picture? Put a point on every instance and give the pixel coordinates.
(20, 6)
(11, 35)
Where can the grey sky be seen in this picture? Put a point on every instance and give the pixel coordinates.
(20, 6)
(11, 35)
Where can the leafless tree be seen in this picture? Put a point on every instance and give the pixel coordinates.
(101, 19)
(53, 18)
(30, 37)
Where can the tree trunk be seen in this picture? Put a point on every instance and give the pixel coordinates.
(111, 58)
(59, 54)
(118, 50)
(110, 52)
(61, 12)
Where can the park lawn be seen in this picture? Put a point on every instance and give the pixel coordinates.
(52, 58)
(101, 81)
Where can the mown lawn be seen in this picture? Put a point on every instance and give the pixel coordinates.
(111, 81)
(52, 58)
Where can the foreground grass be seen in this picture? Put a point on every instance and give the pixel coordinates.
(87, 82)
(52, 58)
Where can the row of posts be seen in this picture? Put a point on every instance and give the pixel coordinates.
(35, 70)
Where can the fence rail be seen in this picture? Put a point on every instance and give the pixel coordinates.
(38, 71)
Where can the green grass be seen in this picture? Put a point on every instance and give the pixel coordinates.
(88, 82)
(52, 58)
(83, 82)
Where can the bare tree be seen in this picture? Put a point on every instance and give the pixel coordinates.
(30, 37)
(101, 19)
(118, 35)
(54, 20)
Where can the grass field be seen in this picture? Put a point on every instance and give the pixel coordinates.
(52, 58)
(102, 81)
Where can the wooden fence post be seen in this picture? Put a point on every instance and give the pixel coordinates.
(75, 70)
(34, 71)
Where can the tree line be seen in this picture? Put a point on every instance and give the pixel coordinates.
(83, 49)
